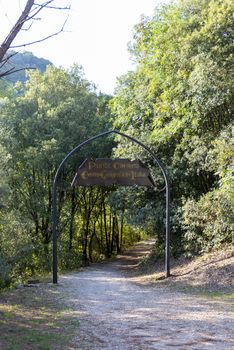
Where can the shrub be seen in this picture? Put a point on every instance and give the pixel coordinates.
(208, 222)
(5, 271)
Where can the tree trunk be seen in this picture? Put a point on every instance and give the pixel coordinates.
(72, 221)
(117, 238)
(108, 253)
(121, 230)
(16, 28)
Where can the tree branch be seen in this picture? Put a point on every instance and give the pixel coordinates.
(42, 39)
(6, 59)
(13, 70)
(30, 12)
(56, 7)
(15, 30)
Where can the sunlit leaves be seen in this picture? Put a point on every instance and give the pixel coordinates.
(180, 96)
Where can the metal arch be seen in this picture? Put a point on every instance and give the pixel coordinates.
(54, 198)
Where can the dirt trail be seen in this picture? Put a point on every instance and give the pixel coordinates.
(118, 314)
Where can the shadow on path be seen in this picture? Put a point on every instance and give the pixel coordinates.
(120, 315)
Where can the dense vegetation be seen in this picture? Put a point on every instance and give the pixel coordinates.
(41, 121)
(179, 101)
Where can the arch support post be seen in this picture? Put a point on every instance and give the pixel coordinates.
(54, 231)
(167, 238)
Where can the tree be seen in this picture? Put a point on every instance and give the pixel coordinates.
(47, 119)
(180, 97)
(41, 122)
(25, 21)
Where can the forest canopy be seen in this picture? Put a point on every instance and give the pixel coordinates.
(180, 99)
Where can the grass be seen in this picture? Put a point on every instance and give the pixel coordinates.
(209, 275)
(218, 295)
(222, 298)
(32, 339)
(36, 318)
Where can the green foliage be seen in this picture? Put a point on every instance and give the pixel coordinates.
(179, 100)
(41, 122)
(208, 222)
(5, 270)
(16, 248)
(222, 158)
(37, 316)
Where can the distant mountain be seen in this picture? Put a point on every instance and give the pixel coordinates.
(23, 60)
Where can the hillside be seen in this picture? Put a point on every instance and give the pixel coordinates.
(23, 60)
(211, 272)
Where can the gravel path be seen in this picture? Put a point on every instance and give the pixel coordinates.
(118, 314)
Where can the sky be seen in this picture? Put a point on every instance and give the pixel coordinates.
(96, 36)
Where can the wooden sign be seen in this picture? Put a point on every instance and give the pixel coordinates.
(108, 172)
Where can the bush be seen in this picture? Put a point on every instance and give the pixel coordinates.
(5, 271)
(208, 222)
